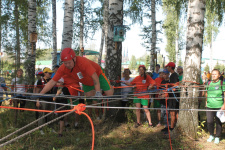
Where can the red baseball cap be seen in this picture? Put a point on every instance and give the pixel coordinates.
(171, 64)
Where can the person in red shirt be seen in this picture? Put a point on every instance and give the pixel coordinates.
(82, 70)
(143, 82)
(157, 103)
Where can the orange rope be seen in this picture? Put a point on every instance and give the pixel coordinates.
(79, 110)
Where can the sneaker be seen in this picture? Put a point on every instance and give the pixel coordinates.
(217, 140)
(210, 139)
(137, 125)
(42, 132)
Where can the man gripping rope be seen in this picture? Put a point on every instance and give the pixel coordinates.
(82, 70)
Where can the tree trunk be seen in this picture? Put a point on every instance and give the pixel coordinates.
(0, 34)
(81, 27)
(177, 47)
(192, 68)
(68, 24)
(31, 55)
(104, 29)
(101, 47)
(54, 34)
(106, 23)
(114, 49)
(153, 40)
(17, 48)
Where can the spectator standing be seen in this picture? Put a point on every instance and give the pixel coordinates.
(156, 73)
(157, 103)
(2, 88)
(180, 73)
(209, 76)
(127, 90)
(215, 101)
(173, 103)
(44, 106)
(204, 77)
(143, 82)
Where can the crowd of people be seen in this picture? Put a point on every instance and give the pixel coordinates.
(78, 73)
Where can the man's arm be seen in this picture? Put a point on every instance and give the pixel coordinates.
(47, 88)
(96, 82)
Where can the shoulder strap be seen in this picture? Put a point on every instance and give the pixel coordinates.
(209, 82)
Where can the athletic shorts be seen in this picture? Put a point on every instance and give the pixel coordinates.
(104, 84)
(143, 102)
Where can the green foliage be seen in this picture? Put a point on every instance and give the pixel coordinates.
(9, 25)
(133, 63)
(173, 29)
(214, 16)
(220, 67)
(147, 61)
(206, 68)
(200, 128)
(93, 20)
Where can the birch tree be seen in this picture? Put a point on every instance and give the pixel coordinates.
(154, 37)
(104, 29)
(192, 68)
(67, 34)
(31, 51)
(114, 50)
(54, 34)
(81, 27)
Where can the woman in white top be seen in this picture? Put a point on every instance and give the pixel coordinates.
(19, 86)
(127, 90)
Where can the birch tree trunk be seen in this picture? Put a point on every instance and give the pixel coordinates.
(0, 33)
(81, 27)
(17, 48)
(54, 34)
(177, 48)
(101, 46)
(192, 68)
(104, 28)
(114, 50)
(68, 24)
(31, 52)
(153, 40)
(106, 23)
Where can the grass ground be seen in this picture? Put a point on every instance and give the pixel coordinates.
(109, 135)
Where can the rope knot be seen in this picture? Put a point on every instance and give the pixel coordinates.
(79, 108)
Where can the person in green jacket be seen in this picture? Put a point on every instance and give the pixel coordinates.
(215, 101)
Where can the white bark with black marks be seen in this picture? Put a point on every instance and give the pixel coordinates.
(188, 120)
(153, 40)
(54, 33)
(31, 52)
(114, 55)
(81, 26)
(67, 24)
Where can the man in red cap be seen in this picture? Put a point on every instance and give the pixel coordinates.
(82, 70)
(173, 103)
